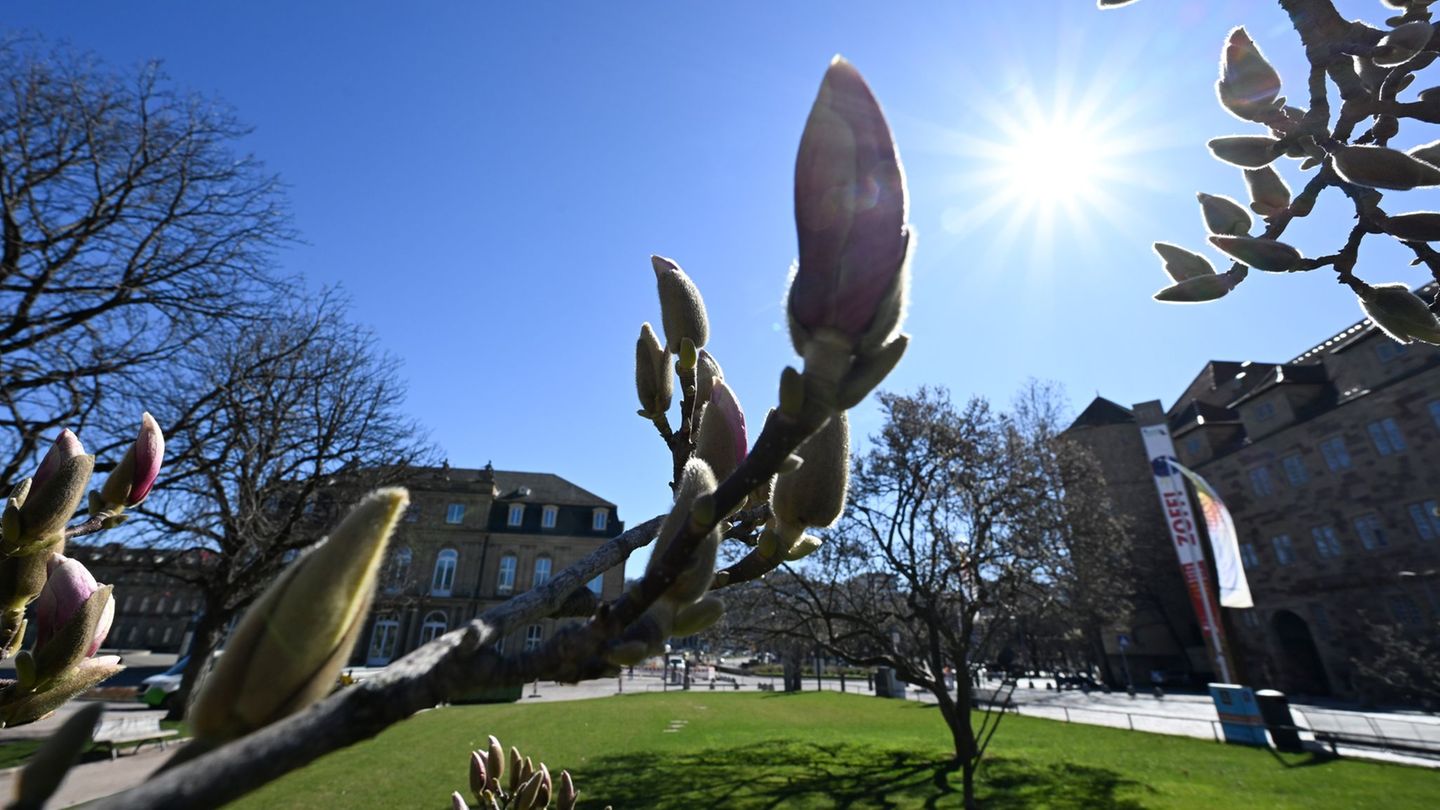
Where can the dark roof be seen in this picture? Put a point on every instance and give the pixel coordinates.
(521, 487)
(1198, 412)
(545, 488)
(1286, 374)
(1101, 412)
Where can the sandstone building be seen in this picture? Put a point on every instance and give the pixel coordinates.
(1330, 465)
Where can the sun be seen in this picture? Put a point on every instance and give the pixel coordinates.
(1040, 169)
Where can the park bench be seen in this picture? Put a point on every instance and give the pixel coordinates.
(114, 731)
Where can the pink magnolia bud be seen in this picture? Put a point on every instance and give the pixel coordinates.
(850, 212)
(722, 442)
(67, 446)
(130, 482)
(68, 587)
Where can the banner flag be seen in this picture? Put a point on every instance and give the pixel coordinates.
(1224, 542)
(1175, 505)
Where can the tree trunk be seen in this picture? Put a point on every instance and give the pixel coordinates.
(209, 632)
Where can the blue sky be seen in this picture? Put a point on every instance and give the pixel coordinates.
(488, 180)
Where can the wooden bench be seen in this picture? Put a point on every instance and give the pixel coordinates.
(115, 730)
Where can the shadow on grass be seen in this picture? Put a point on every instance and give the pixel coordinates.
(786, 773)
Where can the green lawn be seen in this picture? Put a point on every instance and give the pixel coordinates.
(827, 750)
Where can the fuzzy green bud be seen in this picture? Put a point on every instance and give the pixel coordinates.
(682, 310)
(814, 495)
(1418, 226)
(1400, 313)
(654, 383)
(1379, 167)
(1268, 193)
(1401, 44)
(1248, 85)
(1201, 288)
(1223, 215)
(1248, 151)
(1181, 264)
(290, 646)
(55, 493)
(1261, 254)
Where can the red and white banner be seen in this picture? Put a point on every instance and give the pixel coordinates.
(1185, 535)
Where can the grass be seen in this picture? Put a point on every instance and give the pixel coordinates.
(15, 753)
(828, 751)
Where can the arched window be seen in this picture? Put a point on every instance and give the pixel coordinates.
(399, 570)
(382, 641)
(444, 578)
(435, 625)
(542, 572)
(505, 580)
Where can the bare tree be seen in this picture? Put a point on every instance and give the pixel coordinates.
(273, 430)
(958, 519)
(130, 225)
(1404, 662)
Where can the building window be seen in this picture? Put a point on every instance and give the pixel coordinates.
(1284, 549)
(169, 634)
(412, 513)
(455, 513)
(1265, 411)
(532, 637)
(130, 636)
(599, 520)
(517, 514)
(1388, 350)
(434, 626)
(1336, 456)
(1320, 618)
(1250, 619)
(1386, 436)
(1435, 412)
(1193, 445)
(1371, 533)
(1327, 545)
(1260, 481)
(382, 642)
(399, 570)
(129, 601)
(542, 572)
(178, 607)
(1405, 611)
(505, 581)
(1295, 471)
(1426, 517)
(547, 517)
(145, 600)
(1248, 556)
(595, 585)
(444, 578)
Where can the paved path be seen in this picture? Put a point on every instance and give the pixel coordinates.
(1186, 715)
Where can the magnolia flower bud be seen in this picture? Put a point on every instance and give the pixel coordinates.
(1268, 193)
(1223, 215)
(1181, 264)
(21, 578)
(1201, 288)
(529, 792)
(1249, 151)
(457, 802)
(546, 787)
(1428, 152)
(804, 547)
(1420, 226)
(69, 586)
(566, 797)
(495, 757)
(1379, 167)
(696, 481)
(129, 483)
(697, 616)
(814, 495)
(682, 310)
(654, 382)
(292, 642)
(707, 373)
(479, 775)
(868, 370)
(517, 767)
(721, 441)
(1248, 85)
(850, 212)
(53, 496)
(1401, 44)
(1261, 254)
(60, 690)
(1400, 313)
